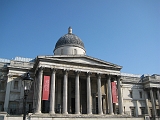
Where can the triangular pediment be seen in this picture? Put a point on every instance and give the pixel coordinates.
(81, 60)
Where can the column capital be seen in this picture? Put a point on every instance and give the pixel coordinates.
(118, 76)
(40, 69)
(53, 70)
(77, 72)
(108, 76)
(65, 71)
(98, 75)
(88, 73)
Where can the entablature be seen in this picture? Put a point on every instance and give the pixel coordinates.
(152, 85)
(77, 68)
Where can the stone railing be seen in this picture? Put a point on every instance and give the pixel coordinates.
(21, 64)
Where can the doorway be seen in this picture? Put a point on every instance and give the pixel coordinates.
(73, 105)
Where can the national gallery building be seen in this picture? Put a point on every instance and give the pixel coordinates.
(71, 83)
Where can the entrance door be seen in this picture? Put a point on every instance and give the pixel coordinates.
(73, 105)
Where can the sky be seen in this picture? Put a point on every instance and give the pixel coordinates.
(123, 32)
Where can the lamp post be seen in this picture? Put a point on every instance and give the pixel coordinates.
(27, 83)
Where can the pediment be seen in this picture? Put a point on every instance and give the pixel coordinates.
(81, 60)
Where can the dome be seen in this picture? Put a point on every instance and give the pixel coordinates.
(69, 39)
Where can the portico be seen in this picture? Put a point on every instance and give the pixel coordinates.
(74, 89)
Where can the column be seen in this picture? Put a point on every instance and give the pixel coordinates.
(89, 108)
(77, 101)
(153, 104)
(7, 95)
(99, 94)
(52, 92)
(81, 98)
(110, 95)
(106, 97)
(119, 95)
(65, 95)
(69, 107)
(136, 108)
(158, 95)
(39, 92)
(147, 106)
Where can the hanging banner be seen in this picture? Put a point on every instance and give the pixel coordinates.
(46, 84)
(114, 92)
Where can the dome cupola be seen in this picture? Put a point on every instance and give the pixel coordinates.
(69, 44)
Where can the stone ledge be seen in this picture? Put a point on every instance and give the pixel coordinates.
(79, 116)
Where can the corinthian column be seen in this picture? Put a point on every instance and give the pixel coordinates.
(77, 101)
(39, 92)
(119, 95)
(99, 94)
(153, 103)
(110, 95)
(52, 92)
(89, 108)
(65, 95)
(158, 95)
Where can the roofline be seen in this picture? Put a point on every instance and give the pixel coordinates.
(85, 56)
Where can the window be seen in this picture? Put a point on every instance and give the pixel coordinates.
(140, 94)
(75, 52)
(132, 111)
(15, 84)
(13, 108)
(131, 94)
(61, 51)
(2, 85)
(142, 110)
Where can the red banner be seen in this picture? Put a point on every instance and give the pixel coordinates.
(46, 84)
(114, 92)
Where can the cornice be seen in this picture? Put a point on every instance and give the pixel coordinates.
(102, 65)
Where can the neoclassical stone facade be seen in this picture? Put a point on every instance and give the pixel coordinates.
(76, 88)
(79, 85)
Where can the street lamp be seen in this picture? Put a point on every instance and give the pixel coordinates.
(27, 83)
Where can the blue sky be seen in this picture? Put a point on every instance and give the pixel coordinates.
(124, 32)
